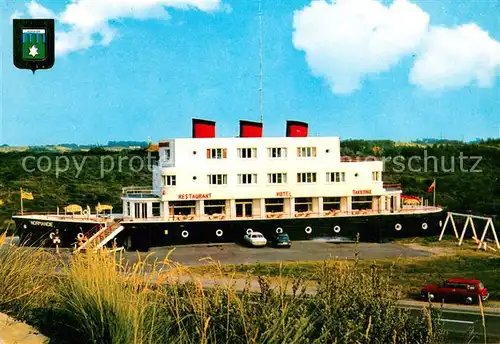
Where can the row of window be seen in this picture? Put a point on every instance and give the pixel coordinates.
(271, 204)
(245, 207)
(251, 153)
(272, 178)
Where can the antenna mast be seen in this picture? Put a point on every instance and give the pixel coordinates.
(260, 62)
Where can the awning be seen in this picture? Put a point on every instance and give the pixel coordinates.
(73, 208)
(101, 207)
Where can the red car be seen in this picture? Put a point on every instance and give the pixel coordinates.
(456, 290)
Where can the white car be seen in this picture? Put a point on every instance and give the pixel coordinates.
(255, 239)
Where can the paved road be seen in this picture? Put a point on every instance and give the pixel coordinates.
(301, 251)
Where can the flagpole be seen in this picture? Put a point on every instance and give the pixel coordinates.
(21, 195)
(434, 194)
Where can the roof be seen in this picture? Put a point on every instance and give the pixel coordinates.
(153, 148)
(462, 280)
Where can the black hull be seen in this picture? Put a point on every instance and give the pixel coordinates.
(143, 235)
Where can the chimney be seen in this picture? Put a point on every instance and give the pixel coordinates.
(296, 129)
(203, 128)
(250, 129)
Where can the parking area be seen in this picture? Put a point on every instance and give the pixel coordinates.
(300, 251)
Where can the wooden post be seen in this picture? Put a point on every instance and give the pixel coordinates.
(494, 233)
(463, 231)
(21, 195)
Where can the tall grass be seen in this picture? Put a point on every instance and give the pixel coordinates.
(26, 277)
(100, 299)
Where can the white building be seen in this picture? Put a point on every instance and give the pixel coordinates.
(205, 177)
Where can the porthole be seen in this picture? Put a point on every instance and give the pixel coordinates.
(308, 230)
(356, 174)
(194, 152)
(279, 230)
(398, 226)
(194, 177)
(249, 230)
(424, 226)
(440, 223)
(336, 229)
(219, 232)
(185, 234)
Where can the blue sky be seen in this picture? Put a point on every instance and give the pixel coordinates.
(355, 69)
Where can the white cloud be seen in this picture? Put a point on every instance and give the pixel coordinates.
(87, 19)
(452, 58)
(346, 40)
(35, 10)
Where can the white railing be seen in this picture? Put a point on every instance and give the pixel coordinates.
(137, 190)
(284, 215)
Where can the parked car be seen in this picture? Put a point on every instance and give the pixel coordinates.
(280, 240)
(456, 290)
(255, 239)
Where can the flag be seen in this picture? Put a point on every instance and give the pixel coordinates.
(26, 195)
(34, 44)
(431, 188)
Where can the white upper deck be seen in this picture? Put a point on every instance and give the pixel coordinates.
(261, 167)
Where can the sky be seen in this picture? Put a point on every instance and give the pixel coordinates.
(142, 69)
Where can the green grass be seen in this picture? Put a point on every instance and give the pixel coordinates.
(85, 187)
(96, 298)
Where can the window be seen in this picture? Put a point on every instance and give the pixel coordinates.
(247, 178)
(331, 203)
(169, 180)
(182, 207)
(278, 152)
(156, 208)
(274, 205)
(247, 153)
(216, 153)
(306, 152)
(306, 177)
(141, 210)
(128, 209)
(166, 154)
(303, 204)
(376, 176)
(361, 202)
(215, 207)
(456, 285)
(276, 178)
(335, 177)
(217, 179)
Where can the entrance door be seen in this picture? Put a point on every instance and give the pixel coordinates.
(243, 208)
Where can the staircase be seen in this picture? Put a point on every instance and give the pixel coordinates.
(102, 236)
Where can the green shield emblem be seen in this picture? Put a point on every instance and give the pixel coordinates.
(34, 44)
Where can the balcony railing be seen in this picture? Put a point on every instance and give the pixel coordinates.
(392, 187)
(281, 215)
(139, 192)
